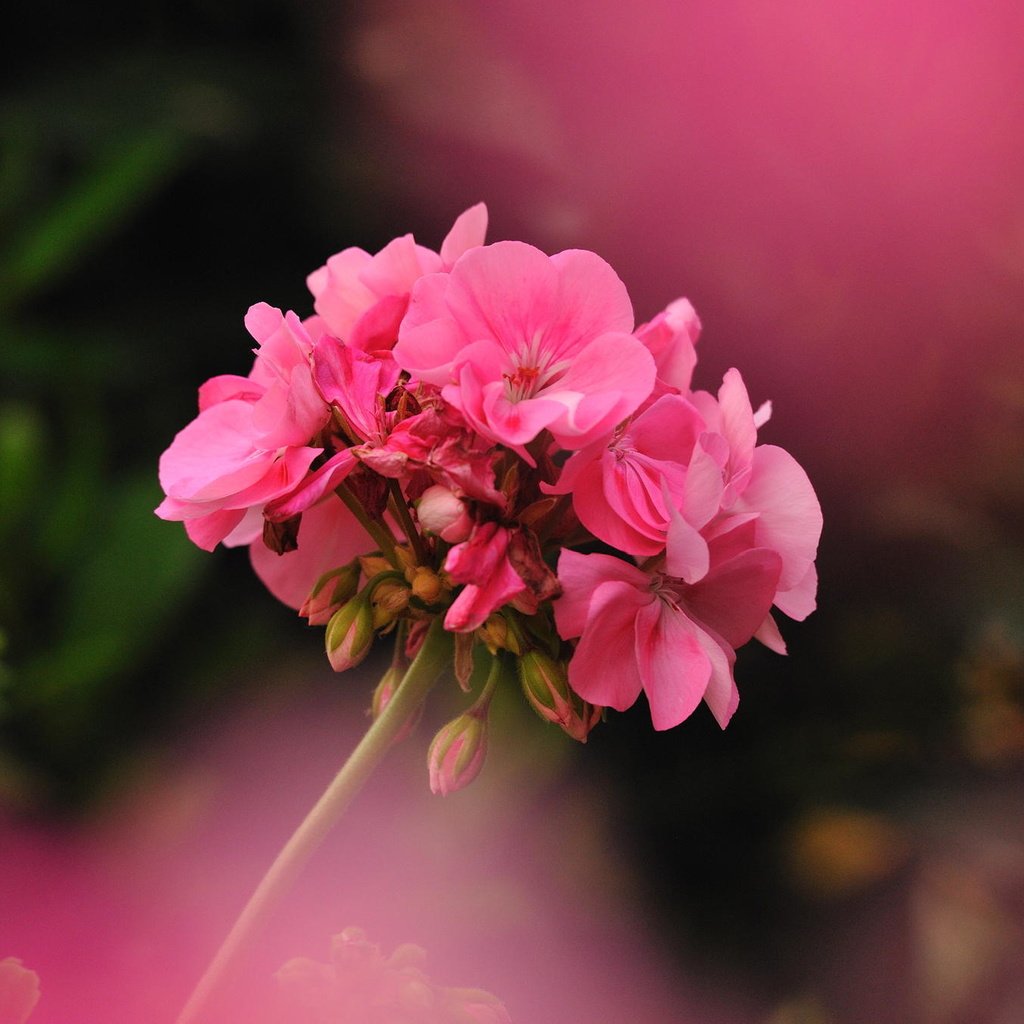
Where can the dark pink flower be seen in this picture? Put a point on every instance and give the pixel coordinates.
(655, 632)
(482, 564)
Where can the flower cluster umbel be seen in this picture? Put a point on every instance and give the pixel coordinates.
(482, 434)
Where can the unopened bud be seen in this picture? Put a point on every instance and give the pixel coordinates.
(374, 565)
(329, 593)
(426, 584)
(443, 512)
(382, 698)
(546, 686)
(457, 752)
(389, 599)
(349, 634)
(496, 635)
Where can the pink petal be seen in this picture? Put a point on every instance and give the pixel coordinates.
(329, 536)
(768, 634)
(580, 576)
(213, 456)
(721, 695)
(592, 300)
(467, 232)
(226, 387)
(606, 382)
(377, 329)
(340, 296)
(208, 531)
(734, 598)
(673, 665)
(790, 516)
(506, 291)
(686, 551)
(603, 670)
(798, 602)
(313, 487)
(668, 430)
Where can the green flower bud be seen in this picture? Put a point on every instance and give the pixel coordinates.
(349, 634)
(545, 684)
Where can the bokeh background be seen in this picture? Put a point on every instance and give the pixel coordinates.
(836, 187)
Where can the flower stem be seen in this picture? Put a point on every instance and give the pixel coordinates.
(377, 530)
(401, 510)
(409, 694)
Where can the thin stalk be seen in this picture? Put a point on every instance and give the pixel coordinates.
(401, 510)
(408, 695)
(381, 534)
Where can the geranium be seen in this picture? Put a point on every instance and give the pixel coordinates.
(472, 452)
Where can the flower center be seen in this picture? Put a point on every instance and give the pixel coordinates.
(532, 369)
(669, 588)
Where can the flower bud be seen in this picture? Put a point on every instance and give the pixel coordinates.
(389, 598)
(457, 752)
(441, 511)
(382, 698)
(496, 635)
(329, 593)
(426, 584)
(349, 634)
(545, 684)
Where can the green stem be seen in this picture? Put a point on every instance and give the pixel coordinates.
(401, 509)
(409, 694)
(381, 534)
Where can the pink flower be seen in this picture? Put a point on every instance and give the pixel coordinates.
(482, 564)
(521, 342)
(670, 337)
(362, 298)
(622, 492)
(250, 443)
(655, 632)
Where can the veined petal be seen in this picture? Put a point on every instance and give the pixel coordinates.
(673, 665)
(580, 576)
(603, 670)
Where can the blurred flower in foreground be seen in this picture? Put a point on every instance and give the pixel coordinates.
(19, 991)
(362, 986)
(450, 437)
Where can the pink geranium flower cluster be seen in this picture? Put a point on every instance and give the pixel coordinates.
(482, 435)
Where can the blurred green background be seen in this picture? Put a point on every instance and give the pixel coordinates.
(166, 165)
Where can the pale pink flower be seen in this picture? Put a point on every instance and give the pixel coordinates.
(670, 337)
(250, 443)
(521, 342)
(362, 298)
(655, 632)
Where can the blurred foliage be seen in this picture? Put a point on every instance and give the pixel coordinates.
(136, 155)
